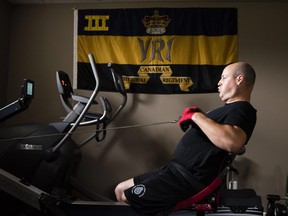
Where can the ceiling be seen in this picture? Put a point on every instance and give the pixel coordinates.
(67, 1)
(80, 1)
(99, 1)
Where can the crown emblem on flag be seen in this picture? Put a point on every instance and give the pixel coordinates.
(156, 24)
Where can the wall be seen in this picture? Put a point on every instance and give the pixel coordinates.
(4, 49)
(42, 42)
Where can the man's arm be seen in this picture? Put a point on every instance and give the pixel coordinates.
(226, 137)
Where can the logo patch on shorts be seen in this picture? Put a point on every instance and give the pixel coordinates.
(139, 190)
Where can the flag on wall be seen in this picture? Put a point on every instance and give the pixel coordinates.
(155, 50)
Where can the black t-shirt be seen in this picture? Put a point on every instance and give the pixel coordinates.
(199, 155)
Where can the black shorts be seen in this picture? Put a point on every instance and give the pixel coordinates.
(157, 192)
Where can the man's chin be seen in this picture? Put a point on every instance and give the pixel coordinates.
(222, 98)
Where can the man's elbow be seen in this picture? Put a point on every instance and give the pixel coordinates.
(234, 147)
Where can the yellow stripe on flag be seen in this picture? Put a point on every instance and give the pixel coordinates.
(159, 50)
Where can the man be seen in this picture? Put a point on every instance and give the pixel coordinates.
(199, 154)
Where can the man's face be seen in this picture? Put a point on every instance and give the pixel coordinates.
(227, 85)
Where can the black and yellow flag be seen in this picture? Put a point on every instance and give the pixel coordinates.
(156, 50)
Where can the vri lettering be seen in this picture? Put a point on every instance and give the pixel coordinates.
(97, 23)
(157, 47)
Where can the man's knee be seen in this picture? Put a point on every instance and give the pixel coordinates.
(120, 188)
(119, 191)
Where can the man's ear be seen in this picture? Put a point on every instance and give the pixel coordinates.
(239, 79)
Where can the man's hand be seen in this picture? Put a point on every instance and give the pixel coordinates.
(186, 119)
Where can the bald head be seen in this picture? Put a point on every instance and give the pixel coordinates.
(237, 82)
(247, 71)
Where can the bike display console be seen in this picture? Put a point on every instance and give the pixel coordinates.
(21, 104)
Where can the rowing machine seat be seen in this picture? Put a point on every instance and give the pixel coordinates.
(216, 194)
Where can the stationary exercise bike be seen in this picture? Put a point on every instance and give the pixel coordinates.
(44, 156)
